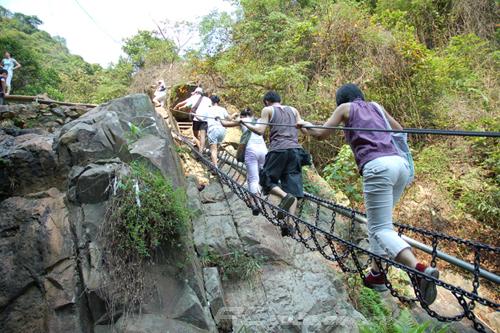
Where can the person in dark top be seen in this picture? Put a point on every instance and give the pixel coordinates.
(281, 174)
(3, 85)
(385, 175)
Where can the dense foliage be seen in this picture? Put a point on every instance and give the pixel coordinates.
(430, 63)
(401, 58)
(147, 212)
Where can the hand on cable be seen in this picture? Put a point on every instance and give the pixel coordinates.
(302, 124)
(217, 118)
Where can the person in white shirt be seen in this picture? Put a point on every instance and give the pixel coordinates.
(198, 104)
(255, 152)
(216, 132)
(10, 64)
(160, 94)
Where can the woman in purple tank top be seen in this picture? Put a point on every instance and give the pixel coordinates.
(385, 175)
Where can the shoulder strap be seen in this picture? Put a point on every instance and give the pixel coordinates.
(195, 107)
(380, 110)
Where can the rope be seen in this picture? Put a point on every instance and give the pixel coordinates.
(417, 131)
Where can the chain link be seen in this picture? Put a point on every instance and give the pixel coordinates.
(325, 242)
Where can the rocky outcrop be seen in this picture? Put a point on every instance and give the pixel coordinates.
(55, 188)
(55, 192)
(296, 290)
(27, 164)
(127, 128)
(40, 288)
(48, 117)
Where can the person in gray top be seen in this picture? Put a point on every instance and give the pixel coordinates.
(281, 174)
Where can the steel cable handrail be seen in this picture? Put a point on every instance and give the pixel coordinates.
(417, 131)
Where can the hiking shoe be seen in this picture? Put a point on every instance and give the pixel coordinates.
(428, 289)
(285, 204)
(287, 230)
(255, 211)
(375, 281)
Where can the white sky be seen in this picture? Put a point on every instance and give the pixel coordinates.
(116, 19)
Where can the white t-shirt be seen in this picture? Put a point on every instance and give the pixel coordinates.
(204, 105)
(212, 112)
(254, 139)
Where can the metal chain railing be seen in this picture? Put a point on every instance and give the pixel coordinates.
(346, 253)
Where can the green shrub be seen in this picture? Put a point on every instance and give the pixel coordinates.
(342, 174)
(148, 211)
(237, 264)
(310, 186)
(379, 317)
(433, 161)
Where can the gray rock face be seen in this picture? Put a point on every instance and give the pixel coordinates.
(296, 291)
(127, 128)
(39, 281)
(52, 271)
(215, 229)
(215, 297)
(46, 117)
(295, 298)
(94, 183)
(27, 164)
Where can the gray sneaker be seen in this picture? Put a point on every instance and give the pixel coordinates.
(428, 289)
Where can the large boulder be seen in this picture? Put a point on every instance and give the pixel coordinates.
(127, 128)
(28, 164)
(53, 273)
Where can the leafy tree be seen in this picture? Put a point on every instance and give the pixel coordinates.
(215, 32)
(49, 67)
(144, 48)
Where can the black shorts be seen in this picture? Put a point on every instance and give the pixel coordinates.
(283, 168)
(200, 125)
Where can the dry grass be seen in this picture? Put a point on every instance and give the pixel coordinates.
(145, 80)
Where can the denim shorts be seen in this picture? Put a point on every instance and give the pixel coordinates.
(216, 135)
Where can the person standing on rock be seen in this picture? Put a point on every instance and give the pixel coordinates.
(385, 175)
(9, 64)
(160, 94)
(216, 132)
(197, 103)
(281, 174)
(255, 152)
(3, 85)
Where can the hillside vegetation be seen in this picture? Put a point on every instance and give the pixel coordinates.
(432, 64)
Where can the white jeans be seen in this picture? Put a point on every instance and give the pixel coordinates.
(384, 180)
(10, 74)
(255, 154)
